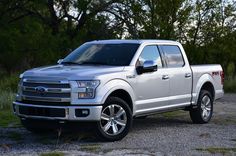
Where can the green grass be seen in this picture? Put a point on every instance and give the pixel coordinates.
(8, 87)
(8, 119)
(52, 154)
(217, 150)
(15, 136)
(6, 99)
(90, 147)
(230, 85)
(9, 82)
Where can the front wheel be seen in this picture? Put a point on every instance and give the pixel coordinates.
(116, 119)
(203, 112)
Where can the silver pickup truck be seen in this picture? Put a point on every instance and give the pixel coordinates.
(110, 82)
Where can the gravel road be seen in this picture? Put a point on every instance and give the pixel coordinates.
(163, 134)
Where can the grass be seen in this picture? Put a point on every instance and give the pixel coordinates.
(8, 119)
(217, 150)
(15, 136)
(8, 87)
(230, 85)
(52, 154)
(90, 147)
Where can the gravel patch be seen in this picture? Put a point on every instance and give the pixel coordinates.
(163, 134)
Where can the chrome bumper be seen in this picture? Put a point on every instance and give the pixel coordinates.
(70, 112)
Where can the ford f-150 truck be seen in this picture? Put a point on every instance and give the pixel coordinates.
(110, 82)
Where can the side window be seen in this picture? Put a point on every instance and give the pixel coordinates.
(173, 56)
(150, 53)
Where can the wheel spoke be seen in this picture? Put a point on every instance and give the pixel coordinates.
(107, 126)
(204, 113)
(105, 117)
(208, 108)
(121, 122)
(120, 112)
(204, 100)
(208, 102)
(111, 109)
(114, 129)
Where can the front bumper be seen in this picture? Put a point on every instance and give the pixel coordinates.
(66, 113)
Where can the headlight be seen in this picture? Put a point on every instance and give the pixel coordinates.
(87, 89)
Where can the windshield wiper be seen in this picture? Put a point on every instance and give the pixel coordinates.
(95, 63)
(69, 63)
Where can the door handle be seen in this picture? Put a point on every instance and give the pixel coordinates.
(188, 75)
(165, 77)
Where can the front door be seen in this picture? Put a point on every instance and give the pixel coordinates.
(152, 89)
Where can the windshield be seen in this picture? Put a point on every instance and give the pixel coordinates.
(102, 54)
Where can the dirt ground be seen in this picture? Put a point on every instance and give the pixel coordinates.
(163, 134)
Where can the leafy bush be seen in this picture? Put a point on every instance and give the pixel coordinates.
(230, 85)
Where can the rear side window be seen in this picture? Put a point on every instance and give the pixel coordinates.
(173, 56)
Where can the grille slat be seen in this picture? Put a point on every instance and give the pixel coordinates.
(48, 85)
(57, 95)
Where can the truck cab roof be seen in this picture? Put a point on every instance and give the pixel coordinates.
(118, 41)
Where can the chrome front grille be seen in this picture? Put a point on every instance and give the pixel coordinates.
(45, 90)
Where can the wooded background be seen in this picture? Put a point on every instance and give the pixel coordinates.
(39, 32)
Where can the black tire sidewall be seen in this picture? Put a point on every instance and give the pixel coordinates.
(196, 113)
(124, 105)
(202, 94)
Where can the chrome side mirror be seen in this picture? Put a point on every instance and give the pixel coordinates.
(148, 66)
(59, 61)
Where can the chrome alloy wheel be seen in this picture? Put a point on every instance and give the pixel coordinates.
(113, 119)
(206, 107)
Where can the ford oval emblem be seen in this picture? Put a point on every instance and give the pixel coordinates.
(41, 90)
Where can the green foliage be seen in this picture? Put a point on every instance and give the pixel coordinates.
(8, 83)
(230, 85)
(8, 119)
(218, 150)
(35, 33)
(16, 136)
(52, 154)
(230, 70)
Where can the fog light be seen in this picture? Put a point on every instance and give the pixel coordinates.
(81, 112)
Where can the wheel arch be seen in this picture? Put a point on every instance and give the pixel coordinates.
(120, 89)
(205, 82)
(209, 87)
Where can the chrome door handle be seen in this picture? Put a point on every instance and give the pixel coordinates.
(165, 77)
(188, 75)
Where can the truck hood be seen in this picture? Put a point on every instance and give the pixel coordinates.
(72, 72)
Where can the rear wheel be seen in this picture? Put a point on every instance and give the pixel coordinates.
(203, 112)
(116, 119)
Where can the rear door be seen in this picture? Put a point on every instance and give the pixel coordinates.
(179, 74)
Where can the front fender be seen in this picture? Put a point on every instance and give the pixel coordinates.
(201, 81)
(114, 85)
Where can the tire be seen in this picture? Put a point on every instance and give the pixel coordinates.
(31, 125)
(203, 113)
(116, 120)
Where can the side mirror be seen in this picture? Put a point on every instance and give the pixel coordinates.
(59, 61)
(148, 66)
